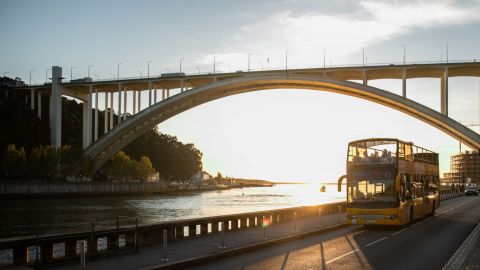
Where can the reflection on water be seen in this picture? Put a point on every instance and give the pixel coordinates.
(32, 216)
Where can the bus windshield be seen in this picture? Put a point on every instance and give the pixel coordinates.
(371, 193)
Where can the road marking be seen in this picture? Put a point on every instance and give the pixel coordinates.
(402, 230)
(341, 256)
(415, 224)
(455, 207)
(376, 241)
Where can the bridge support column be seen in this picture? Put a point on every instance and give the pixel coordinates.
(163, 94)
(56, 108)
(404, 84)
(125, 93)
(155, 95)
(444, 93)
(119, 103)
(365, 78)
(149, 94)
(168, 93)
(95, 128)
(111, 110)
(87, 120)
(139, 100)
(105, 114)
(39, 105)
(182, 84)
(134, 102)
(32, 99)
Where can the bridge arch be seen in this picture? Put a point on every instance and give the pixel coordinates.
(102, 150)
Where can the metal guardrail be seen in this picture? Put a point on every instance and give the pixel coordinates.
(47, 249)
(223, 72)
(53, 248)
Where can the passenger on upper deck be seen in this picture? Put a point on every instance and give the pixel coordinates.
(386, 156)
(374, 157)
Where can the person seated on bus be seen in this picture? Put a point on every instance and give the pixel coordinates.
(356, 158)
(385, 158)
(374, 157)
(365, 156)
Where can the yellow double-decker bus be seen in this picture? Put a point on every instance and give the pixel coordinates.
(390, 182)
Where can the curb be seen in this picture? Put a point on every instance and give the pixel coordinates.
(242, 249)
(457, 260)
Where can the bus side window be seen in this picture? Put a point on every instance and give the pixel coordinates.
(406, 186)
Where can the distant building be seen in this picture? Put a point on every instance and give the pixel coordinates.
(464, 168)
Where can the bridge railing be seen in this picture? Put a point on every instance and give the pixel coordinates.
(53, 248)
(278, 68)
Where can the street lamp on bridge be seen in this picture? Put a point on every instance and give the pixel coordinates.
(198, 70)
(71, 72)
(141, 76)
(89, 70)
(249, 54)
(214, 57)
(46, 74)
(286, 60)
(148, 68)
(118, 71)
(31, 70)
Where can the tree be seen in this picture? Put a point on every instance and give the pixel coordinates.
(144, 169)
(14, 161)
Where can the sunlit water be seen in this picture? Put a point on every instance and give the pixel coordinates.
(38, 216)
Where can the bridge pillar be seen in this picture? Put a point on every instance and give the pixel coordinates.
(365, 78)
(32, 99)
(182, 84)
(163, 94)
(125, 103)
(168, 93)
(139, 100)
(111, 110)
(134, 102)
(155, 95)
(39, 105)
(404, 83)
(149, 94)
(87, 120)
(105, 114)
(56, 107)
(444, 92)
(119, 103)
(95, 128)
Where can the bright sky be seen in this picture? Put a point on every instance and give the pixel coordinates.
(282, 135)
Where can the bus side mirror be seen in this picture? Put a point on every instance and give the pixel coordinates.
(340, 180)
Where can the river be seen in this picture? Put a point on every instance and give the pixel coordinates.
(54, 215)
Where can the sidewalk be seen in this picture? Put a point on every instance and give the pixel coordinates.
(200, 248)
(468, 254)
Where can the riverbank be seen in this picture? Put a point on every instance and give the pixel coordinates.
(77, 190)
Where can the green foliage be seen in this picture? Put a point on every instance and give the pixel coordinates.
(171, 158)
(14, 161)
(21, 126)
(122, 168)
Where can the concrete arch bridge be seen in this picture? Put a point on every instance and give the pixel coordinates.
(194, 90)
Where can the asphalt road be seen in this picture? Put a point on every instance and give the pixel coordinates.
(426, 244)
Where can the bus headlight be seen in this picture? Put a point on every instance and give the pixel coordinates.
(391, 217)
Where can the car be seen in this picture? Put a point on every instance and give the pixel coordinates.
(471, 191)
